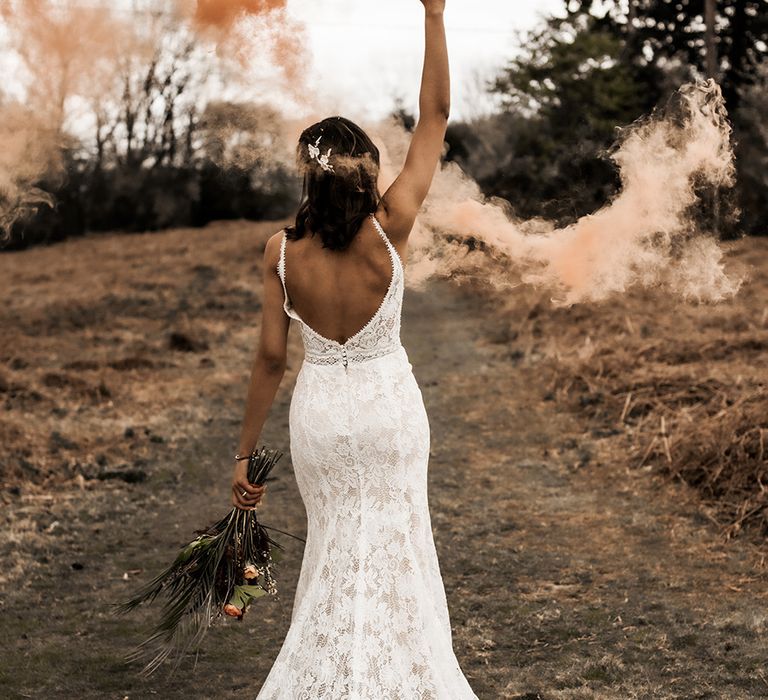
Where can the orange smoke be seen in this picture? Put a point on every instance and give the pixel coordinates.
(224, 13)
(84, 63)
(63, 48)
(644, 237)
(254, 33)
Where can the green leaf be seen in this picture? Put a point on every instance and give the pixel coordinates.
(242, 595)
(237, 598)
(253, 591)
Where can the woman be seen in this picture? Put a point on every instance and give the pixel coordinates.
(369, 619)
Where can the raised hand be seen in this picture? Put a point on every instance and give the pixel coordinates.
(433, 6)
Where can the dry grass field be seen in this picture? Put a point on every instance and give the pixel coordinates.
(596, 479)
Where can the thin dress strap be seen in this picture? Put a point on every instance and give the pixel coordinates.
(281, 274)
(392, 250)
(281, 260)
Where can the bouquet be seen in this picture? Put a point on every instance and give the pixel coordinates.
(222, 571)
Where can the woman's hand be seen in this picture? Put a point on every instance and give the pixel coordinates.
(434, 6)
(253, 494)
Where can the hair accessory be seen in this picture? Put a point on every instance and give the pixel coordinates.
(314, 153)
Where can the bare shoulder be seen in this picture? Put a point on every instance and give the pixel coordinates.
(272, 249)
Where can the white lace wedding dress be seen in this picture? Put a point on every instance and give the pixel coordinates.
(370, 619)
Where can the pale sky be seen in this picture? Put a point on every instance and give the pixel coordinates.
(368, 51)
(364, 53)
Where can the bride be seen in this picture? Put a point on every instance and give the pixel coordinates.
(369, 619)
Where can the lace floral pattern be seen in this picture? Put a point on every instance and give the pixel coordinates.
(370, 618)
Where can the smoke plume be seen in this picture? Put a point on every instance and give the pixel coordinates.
(64, 49)
(646, 236)
(28, 151)
(254, 33)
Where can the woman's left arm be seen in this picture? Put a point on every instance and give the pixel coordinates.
(266, 373)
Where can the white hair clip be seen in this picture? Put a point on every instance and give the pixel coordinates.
(314, 152)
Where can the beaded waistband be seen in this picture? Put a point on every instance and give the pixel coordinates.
(342, 356)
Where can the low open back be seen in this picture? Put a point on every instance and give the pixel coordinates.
(378, 336)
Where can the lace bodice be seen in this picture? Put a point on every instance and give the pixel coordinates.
(378, 337)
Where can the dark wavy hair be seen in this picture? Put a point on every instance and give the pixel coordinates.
(340, 164)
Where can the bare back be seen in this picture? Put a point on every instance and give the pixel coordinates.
(337, 293)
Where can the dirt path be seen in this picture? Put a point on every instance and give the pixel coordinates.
(566, 577)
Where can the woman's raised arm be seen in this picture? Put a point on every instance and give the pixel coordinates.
(402, 201)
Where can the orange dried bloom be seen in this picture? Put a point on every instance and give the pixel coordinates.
(233, 610)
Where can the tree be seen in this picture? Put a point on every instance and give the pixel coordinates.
(710, 47)
(572, 84)
(752, 153)
(677, 29)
